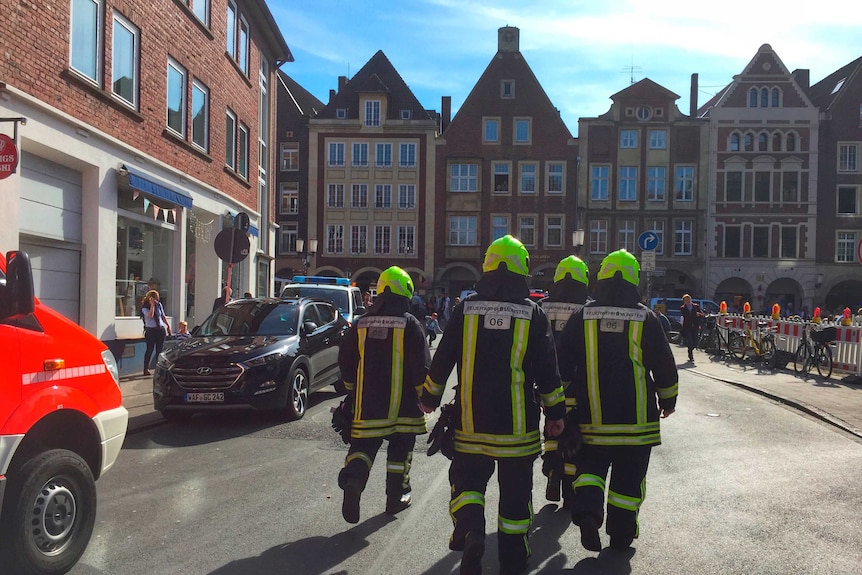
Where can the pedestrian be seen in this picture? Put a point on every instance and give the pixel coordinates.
(614, 353)
(156, 327)
(432, 326)
(183, 330)
(567, 295)
(665, 322)
(417, 306)
(445, 309)
(502, 344)
(223, 298)
(691, 319)
(383, 360)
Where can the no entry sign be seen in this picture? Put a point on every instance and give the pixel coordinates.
(8, 156)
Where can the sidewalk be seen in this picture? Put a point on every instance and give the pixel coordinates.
(837, 401)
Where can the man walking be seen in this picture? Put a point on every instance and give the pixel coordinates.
(691, 318)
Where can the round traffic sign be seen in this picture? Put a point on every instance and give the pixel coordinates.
(8, 156)
(648, 241)
(231, 245)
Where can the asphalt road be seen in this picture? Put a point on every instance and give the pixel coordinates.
(741, 485)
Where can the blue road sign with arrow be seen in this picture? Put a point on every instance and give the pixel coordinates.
(648, 241)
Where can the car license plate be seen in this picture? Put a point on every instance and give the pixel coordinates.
(204, 397)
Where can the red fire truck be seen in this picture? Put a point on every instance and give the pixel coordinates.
(62, 424)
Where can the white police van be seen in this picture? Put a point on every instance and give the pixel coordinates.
(347, 298)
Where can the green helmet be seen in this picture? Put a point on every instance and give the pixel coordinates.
(623, 262)
(397, 280)
(510, 251)
(574, 267)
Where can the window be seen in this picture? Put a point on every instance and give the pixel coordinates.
(335, 196)
(406, 196)
(658, 139)
(201, 9)
(657, 227)
(523, 132)
(359, 196)
(752, 98)
(790, 145)
(406, 114)
(359, 158)
(501, 177)
(237, 37)
(406, 240)
(341, 113)
(464, 178)
(789, 248)
(628, 183)
(761, 186)
(776, 97)
(599, 183)
(734, 142)
(684, 183)
(499, 226)
(334, 238)
(492, 130)
(762, 142)
(555, 177)
(848, 157)
(290, 156)
(528, 178)
(732, 241)
(85, 43)
(527, 230)
(407, 155)
(230, 140)
(287, 238)
(242, 159)
(372, 113)
(628, 138)
(383, 196)
(176, 101)
(462, 230)
(553, 231)
(507, 89)
(336, 154)
(200, 115)
(382, 240)
(358, 240)
(847, 201)
(656, 183)
(683, 238)
(643, 113)
(599, 237)
(760, 242)
(789, 186)
(776, 141)
(289, 198)
(749, 142)
(124, 61)
(733, 187)
(845, 247)
(764, 97)
(626, 236)
(230, 32)
(383, 155)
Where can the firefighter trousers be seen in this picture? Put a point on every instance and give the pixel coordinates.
(469, 475)
(625, 491)
(399, 456)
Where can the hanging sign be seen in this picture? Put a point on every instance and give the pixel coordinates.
(8, 156)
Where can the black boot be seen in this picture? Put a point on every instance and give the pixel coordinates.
(395, 504)
(352, 495)
(474, 548)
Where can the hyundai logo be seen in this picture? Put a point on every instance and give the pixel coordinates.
(205, 370)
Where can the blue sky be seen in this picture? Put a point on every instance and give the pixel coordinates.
(581, 51)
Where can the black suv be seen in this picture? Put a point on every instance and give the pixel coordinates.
(253, 354)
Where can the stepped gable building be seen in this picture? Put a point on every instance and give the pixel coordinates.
(763, 188)
(506, 164)
(643, 168)
(148, 128)
(371, 180)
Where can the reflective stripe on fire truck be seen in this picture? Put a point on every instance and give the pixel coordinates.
(61, 374)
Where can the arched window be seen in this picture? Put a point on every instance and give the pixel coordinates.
(776, 96)
(749, 142)
(734, 142)
(791, 142)
(764, 97)
(752, 98)
(762, 142)
(776, 141)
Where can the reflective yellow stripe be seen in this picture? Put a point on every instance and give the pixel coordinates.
(397, 372)
(592, 351)
(570, 469)
(395, 466)
(624, 501)
(358, 455)
(668, 392)
(653, 439)
(589, 480)
(362, 333)
(433, 388)
(382, 427)
(512, 526)
(620, 428)
(498, 445)
(466, 498)
(550, 445)
(468, 355)
(348, 385)
(553, 398)
(638, 369)
(516, 362)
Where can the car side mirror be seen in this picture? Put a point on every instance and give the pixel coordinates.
(309, 327)
(359, 310)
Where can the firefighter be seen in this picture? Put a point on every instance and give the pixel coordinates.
(567, 295)
(624, 379)
(502, 344)
(383, 359)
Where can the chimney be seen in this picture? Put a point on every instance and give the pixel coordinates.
(342, 82)
(331, 95)
(692, 102)
(508, 39)
(445, 112)
(801, 75)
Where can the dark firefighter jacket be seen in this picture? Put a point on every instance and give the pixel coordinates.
(501, 347)
(383, 359)
(558, 313)
(621, 370)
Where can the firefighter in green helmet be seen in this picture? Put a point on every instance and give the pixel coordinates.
(624, 379)
(502, 344)
(383, 359)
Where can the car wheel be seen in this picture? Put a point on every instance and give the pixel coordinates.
(297, 394)
(49, 515)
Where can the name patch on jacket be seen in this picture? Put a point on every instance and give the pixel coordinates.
(378, 326)
(613, 319)
(559, 312)
(498, 314)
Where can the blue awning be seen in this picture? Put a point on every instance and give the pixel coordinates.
(150, 186)
(253, 231)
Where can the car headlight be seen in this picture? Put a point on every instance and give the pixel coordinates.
(267, 359)
(163, 361)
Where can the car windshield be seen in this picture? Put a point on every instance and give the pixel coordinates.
(253, 317)
(338, 298)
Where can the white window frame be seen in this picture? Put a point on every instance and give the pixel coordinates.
(683, 237)
(201, 9)
(854, 190)
(527, 224)
(335, 238)
(490, 125)
(596, 177)
(466, 180)
(502, 169)
(181, 74)
(741, 185)
(499, 226)
(598, 236)
(626, 235)
(289, 198)
(383, 155)
(519, 125)
(658, 139)
(848, 157)
(463, 230)
(628, 184)
(287, 235)
(359, 196)
(382, 240)
(527, 178)
(845, 246)
(554, 226)
(684, 175)
(507, 89)
(335, 196)
(230, 139)
(656, 183)
(135, 33)
(201, 141)
(555, 177)
(628, 139)
(289, 156)
(335, 154)
(372, 113)
(657, 227)
(358, 240)
(406, 238)
(382, 196)
(242, 161)
(407, 155)
(406, 196)
(359, 154)
(86, 35)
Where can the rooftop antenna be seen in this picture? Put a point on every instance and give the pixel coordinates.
(631, 69)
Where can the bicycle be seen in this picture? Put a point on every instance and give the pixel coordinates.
(713, 338)
(815, 350)
(761, 342)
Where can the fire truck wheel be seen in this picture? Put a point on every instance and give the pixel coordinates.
(50, 513)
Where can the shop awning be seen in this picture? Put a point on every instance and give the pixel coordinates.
(252, 230)
(151, 186)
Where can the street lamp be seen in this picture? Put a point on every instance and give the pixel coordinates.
(578, 241)
(306, 255)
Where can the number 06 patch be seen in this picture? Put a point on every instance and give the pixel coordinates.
(498, 321)
(612, 325)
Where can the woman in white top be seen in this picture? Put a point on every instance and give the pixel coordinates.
(155, 326)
